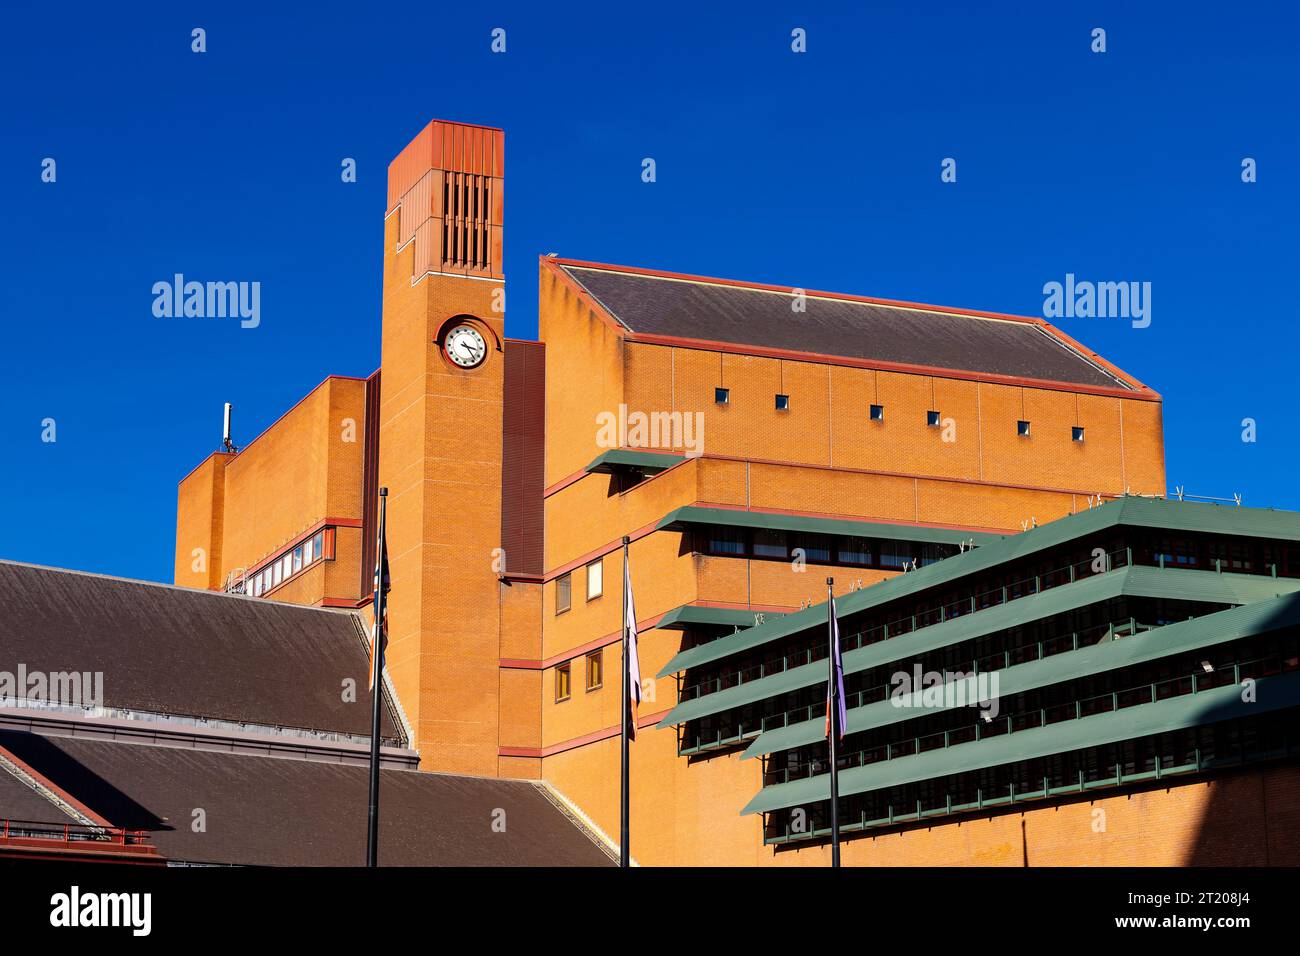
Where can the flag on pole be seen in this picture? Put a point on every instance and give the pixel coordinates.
(379, 607)
(633, 662)
(836, 681)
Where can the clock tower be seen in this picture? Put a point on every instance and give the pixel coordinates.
(440, 438)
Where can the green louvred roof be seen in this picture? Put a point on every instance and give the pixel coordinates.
(1176, 713)
(1183, 584)
(1131, 511)
(1220, 627)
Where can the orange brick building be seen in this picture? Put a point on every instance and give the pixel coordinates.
(752, 441)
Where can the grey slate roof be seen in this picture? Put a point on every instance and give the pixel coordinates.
(929, 336)
(269, 811)
(186, 652)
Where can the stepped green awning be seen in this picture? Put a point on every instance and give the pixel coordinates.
(1145, 720)
(1207, 631)
(1137, 581)
(1131, 511)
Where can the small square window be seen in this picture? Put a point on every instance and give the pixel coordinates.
(1076, 433)
(563, 687)
(722, 396)
(595, 579)
(1022, 428)
(563, 592)
(595, 670)
(932, 419)
(782, 403)
(877, 413)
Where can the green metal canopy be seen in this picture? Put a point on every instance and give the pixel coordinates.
(645, 461)
(1145, 720)
(693, 615)
(680, 518)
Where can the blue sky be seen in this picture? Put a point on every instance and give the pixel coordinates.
(819, 170)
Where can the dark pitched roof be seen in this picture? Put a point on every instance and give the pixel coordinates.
(284, 812)
(20, 801)
(178, 651)
(746, 315)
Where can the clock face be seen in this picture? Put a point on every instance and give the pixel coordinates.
(465, 346)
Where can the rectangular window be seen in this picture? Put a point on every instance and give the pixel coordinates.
(277, 572)
(307, 551)
(316, 545)
(782, 403)
(595, 670)
(877, 413)
(930, 553)
(894, 554)
(854, 550)
(257, 585)
(1076, 433)
(770, 544)
(723, 540)
(932, 419)
(595, 579)
(815, 547)
(1022, 428)
(722, 396)
(562, 686)
(297, 558)
(563, 592)
(287, 563)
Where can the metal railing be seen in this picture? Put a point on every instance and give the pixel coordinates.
(72, 833)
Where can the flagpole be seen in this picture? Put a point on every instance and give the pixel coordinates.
(626, 711)
(376, 679)
(834, 723)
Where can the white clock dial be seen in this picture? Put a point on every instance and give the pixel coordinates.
(465, 346)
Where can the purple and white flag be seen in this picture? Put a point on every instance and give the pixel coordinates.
(836, 678)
